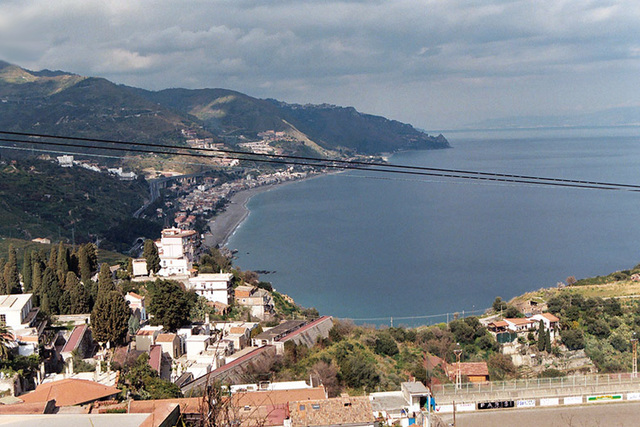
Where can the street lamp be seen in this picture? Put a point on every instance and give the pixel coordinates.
(634, 345)
(458, 352)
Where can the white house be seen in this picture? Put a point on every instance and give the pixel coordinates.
(137, 305)
(175, 249)
(16, 311)
(214, 287)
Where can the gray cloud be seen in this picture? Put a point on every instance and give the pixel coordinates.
(429, 62)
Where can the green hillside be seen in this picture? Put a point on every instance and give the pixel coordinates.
(40, 199)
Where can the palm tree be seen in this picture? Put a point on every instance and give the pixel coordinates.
(5, 339)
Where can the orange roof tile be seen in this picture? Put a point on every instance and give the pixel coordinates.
(237, 330)
(550, 317)
(277, 397)
(166, 338)
(69, 392)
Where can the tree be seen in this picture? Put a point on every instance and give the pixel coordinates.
(110, 317)
(133, 325)
(105, 279)
(499, 305)
(50, 289)
(547, 341)
(150, 254)
(5, 339)
(27, 272)
(78, 298)
(87, 261)
(62, 262)
(11, 275)
(573, 339)
(571, 280)
(385, 345)
(170, 304)
(542, 336)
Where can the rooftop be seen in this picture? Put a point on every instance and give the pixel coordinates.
(281, 330)
(336, 411)
(75, 338)
(166, 338)
(69, 392)
(14, 302)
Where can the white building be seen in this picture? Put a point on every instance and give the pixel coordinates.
(65, 161)
(175, 249)
(19, 315)
(214, 287)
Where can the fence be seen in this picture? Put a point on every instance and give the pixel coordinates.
(536, 383)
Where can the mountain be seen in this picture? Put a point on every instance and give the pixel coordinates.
(63, 103)
(612, 117)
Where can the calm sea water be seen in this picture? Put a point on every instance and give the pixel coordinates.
(369, 246)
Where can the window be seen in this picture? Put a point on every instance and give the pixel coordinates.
(302, 407)
(315, 406)
(3, 319)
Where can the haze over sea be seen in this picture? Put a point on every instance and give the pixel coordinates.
(367, 245)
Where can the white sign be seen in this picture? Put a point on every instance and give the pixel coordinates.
(549, 401)
(573, 400)
(444, 408)
(465, 407)
(633, 396)
(528, 403)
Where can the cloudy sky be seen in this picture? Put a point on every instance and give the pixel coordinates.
(438, 64)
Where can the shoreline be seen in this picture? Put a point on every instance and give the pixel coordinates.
(223, 225)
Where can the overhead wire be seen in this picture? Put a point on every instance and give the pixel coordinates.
(153, 148)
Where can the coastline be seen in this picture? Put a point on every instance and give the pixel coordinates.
(223, 225)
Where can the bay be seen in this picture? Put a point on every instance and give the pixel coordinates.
(371, 246)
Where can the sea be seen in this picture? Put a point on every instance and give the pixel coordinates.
(387, 249)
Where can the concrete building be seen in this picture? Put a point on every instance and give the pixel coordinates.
(259, 301)
(146, 337)
(176, 250)
(214, 287)
(137, 305)
(170, 344)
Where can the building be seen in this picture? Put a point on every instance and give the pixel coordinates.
(70, 392)
(79, 341)
(176, 251)
(214, 287)
(170, 344)
(137, 304)
(476, 372)
(269, 337)
(17, 311)
(146, 337)
(259, 301)
(20, 317)
(339, 411)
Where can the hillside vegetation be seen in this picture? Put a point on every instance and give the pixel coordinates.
(40, 199)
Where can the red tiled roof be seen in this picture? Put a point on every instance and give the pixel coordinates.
(166, 338)
(277, 397)
(473, 368)
(499, 324)
(520, 321)
(155, 357)
(237, 330)
(550, 317)
(188, 405)
(75, 338)
(69, 392)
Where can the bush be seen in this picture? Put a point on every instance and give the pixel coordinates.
(385, 345)
(551, 373)
(573, 339)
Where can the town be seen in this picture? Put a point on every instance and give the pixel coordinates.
(138, 352)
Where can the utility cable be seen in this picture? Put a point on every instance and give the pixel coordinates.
(321, 160)
(330, 164)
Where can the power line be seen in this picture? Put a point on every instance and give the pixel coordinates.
(326, 163)
(322, 160)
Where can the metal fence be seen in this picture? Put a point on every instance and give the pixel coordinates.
(536, 383)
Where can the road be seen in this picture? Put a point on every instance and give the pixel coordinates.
(619, 414)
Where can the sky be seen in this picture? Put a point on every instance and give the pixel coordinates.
(437, 64)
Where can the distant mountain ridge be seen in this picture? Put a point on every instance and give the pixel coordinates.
(63, 103)
(611, 117)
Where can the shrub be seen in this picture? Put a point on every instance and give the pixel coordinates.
(573, 339)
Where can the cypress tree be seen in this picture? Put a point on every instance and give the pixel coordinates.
(36, 280)
(110, 317)
(547, 344)
(51, 289)
(52, 263)
(105, 280)
(62, 263)
(78, 297)
(27, 272)
(11, 275)
(3, 285)
(541, 336)
(150, 253)
(87, 262)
